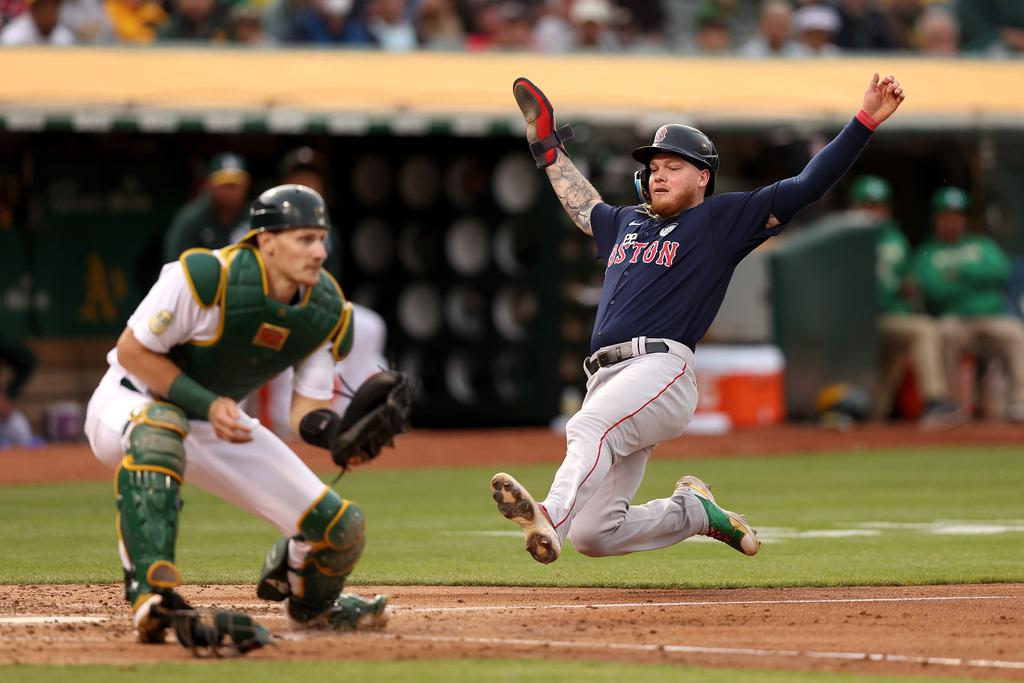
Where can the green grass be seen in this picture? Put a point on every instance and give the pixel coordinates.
(438, 526)
(493, 671)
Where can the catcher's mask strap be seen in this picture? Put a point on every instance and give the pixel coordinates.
(552, 141)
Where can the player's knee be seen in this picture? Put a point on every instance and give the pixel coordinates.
(156, 439)
(589, 540)
(336, 528)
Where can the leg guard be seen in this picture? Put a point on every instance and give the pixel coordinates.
(149, 499)
(310, 569)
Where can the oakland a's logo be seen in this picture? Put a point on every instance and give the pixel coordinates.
(660, 135)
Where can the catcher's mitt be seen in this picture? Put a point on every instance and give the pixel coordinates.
(379, 412)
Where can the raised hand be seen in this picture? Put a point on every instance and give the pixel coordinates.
(882, 97)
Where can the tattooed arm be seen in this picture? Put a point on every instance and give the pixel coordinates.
(577, 195)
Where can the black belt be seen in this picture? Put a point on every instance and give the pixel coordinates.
(620, 352)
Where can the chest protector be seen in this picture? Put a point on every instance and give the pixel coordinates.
(257, 337)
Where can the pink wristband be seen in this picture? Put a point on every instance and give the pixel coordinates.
(867, 119)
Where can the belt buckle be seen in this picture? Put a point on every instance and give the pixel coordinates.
(602, 359)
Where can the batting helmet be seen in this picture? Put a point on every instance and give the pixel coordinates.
(288, 206)
(870, 189)
(683, 141)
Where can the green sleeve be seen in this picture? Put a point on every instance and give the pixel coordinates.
(992, 270)
(935, 286)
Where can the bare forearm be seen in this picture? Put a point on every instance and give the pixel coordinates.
(156, 370)
(577, 195)
(302, 406)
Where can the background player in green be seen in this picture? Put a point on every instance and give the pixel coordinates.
(905, 330)
(963, 279)
(212, 218)
(216, 325)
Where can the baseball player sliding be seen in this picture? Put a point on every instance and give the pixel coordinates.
(215, 326)
(668, 260)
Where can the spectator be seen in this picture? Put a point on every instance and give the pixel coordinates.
(196, 20)
(862, 27)
(815, 27)
(963, 279)
(10, 9)
(938, 33)
(485, 20)
(88, 20)
(245, 26)
(135, 21)
(325, 22)
(211, 220)
(14, 427)
(554, 31)
(901, 17)
(993, 27)
(438, 26)
(644, 25)
(712, 30)
(905, 332)
(389, 26)
(592, 20)
(774, 36)
(40, 25)
(515, 32)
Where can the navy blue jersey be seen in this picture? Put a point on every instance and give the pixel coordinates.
(667, 277)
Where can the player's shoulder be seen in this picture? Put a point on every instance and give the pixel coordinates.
(205, 272)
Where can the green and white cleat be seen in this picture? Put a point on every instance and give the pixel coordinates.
(349, 612)
(516, 503)
(728, 527)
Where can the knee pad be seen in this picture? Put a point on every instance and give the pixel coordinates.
(310, 569)
(149, 498)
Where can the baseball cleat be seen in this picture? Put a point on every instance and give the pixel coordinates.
(516, 503)
(150, 624)
(349, 612)
(728, 527)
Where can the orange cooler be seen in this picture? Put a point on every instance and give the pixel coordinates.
(743, 382)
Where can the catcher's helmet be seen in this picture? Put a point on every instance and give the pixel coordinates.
(288, 206)
(683, 141)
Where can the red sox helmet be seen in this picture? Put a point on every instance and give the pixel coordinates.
(683, 141)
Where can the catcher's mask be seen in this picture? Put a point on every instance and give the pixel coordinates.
(683, 141)
(286, 207)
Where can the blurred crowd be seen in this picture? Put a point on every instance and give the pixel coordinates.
(747, 28)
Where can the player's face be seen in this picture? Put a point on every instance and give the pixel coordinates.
(675, 184)
(879, 210)
(950, 225)
(296, 255)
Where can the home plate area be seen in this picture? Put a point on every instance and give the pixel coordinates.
(966, 631)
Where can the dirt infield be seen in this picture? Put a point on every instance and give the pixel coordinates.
(964, 631)
(971, 631)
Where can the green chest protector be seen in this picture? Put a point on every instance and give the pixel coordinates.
(257, 337)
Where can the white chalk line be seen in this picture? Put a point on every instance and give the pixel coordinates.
(548, 645)
(53, 619)
(709, 603)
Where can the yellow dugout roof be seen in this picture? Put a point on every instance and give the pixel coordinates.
(963, 93)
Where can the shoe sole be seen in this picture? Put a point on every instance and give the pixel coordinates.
(739, 521)
(516, 504)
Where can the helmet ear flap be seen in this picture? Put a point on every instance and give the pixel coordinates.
(641, 183)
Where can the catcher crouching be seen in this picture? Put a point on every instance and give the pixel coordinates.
(215, 326)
